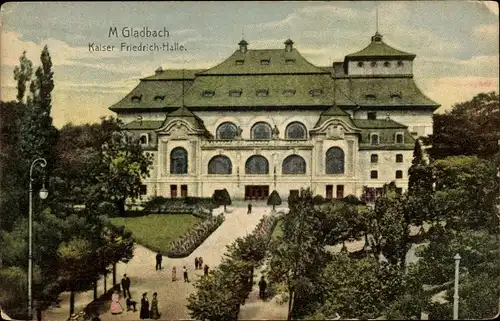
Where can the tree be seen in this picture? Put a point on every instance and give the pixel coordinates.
(298, 256)
(123, 166)
(467, 189)
(470, 128)
(274, 199)
(22, 74)
(221, 197)
(420, 189)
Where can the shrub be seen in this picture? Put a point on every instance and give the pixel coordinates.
(274, 199)
(266, 226)
(185, 245)
(190, 205)
(318, 200)
(352, 200)
(221, 197)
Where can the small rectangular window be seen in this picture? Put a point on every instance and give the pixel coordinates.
(289, 92)
(372, 115)
(265, 62)
(399, 139)
(374, 139)
(240, 62)
(235, 93)
(143, 190)
(262, 92)
(399, 174)
(374, 174)
(289, 61)
(208, 93)
(399, 158)
(315, 92)
(374, 158)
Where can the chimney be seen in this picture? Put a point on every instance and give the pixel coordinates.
(288, 45)
(243, 46)
(158, 71)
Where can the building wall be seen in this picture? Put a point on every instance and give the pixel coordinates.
(380, 69)
(419, 121)
(386, 167)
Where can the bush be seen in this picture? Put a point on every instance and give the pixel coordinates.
(221, 197)
(352, 200)
(274, 199)
(190, 205)
(185, 245)
(318, 200)
(266, 226)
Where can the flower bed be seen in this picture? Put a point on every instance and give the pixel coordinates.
(266, 226)
(200, 207)
(185, 245)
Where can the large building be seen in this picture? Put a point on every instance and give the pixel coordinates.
(267, 119)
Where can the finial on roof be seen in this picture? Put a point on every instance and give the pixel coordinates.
(243, 46)
(159, 70)
(377, 37)
(288, 45)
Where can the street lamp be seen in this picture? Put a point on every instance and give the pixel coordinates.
(455, 296)
(43, 195)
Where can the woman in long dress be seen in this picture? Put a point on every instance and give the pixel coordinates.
(174, 272)
(144, 314)
(154, 307)
(116, 307)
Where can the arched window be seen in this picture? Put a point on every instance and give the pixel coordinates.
(295, 130)
(178, 161)
(257, 165)
(226, 131)
(220, 165)
(294, 164)
(335, 161)
(261, 130)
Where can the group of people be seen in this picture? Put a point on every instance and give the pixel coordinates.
(198, 265)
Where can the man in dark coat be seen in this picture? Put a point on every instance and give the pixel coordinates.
(249, 208)
(144, 313)
(262, 288)
(158, 261)
(126, 286)
(205, 270)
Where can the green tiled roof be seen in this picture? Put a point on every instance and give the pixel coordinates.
(387, 92)
(378, 48)
(332, 112)
(282, 90)
(174, 74)
(186, 115)
(145, 124)
(377, 123)
(250, 62)
(386, 139)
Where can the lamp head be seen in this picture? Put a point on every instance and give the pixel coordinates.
(44, 193)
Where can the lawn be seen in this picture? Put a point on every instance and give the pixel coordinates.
(157, 231)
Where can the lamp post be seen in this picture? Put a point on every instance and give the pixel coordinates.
(455, 296)
(43, 195)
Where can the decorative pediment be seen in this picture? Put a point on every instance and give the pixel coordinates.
(335, 129)
(178, 128)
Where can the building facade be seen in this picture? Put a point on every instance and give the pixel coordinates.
(265, 120)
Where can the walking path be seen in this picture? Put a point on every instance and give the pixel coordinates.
(172, 296)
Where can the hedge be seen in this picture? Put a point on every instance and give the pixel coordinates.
(185, 245)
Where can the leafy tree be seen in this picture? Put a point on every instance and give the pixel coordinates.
(22, 74)
(221, 197)
(357, 288)
(466, 191)
(420, 189)
(298, 257)
(123, 167)
(343, 222)
(274, 199)
(470, 128)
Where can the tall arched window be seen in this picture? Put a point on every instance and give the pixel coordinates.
(261, 130)
(334, 161)
(257, 165)
(226, 130)
(178, 161)
(296, 130)
(220, 165)
(294, 164)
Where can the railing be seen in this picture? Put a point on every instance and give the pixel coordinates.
(256, 143)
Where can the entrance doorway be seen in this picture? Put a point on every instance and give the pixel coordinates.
(340, 191)
(173, 191)
(256, 192)
(329, 192)
(184, 190)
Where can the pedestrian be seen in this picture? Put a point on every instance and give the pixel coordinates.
(131, 304)
(249, 208)
(154, 307)
(262, 288)
(38, 314)
(185, 272)
(144, 314)
(200, 262)
(174, 274)
(116, 307)
(158, 261)
(126, 286)
(196, 263)
(205, 270)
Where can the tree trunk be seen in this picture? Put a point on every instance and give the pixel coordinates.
(224, 207)
(114, 274)
(120, 204)
(105, 285)
(290, 304)
(71, 302)
(95, 290)
(274, 208)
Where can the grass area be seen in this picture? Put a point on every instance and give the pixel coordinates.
(157, 231)
(278, 230)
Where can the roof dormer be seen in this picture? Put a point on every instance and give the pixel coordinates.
(243, 46)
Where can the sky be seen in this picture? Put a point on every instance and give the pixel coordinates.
(456, 42)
